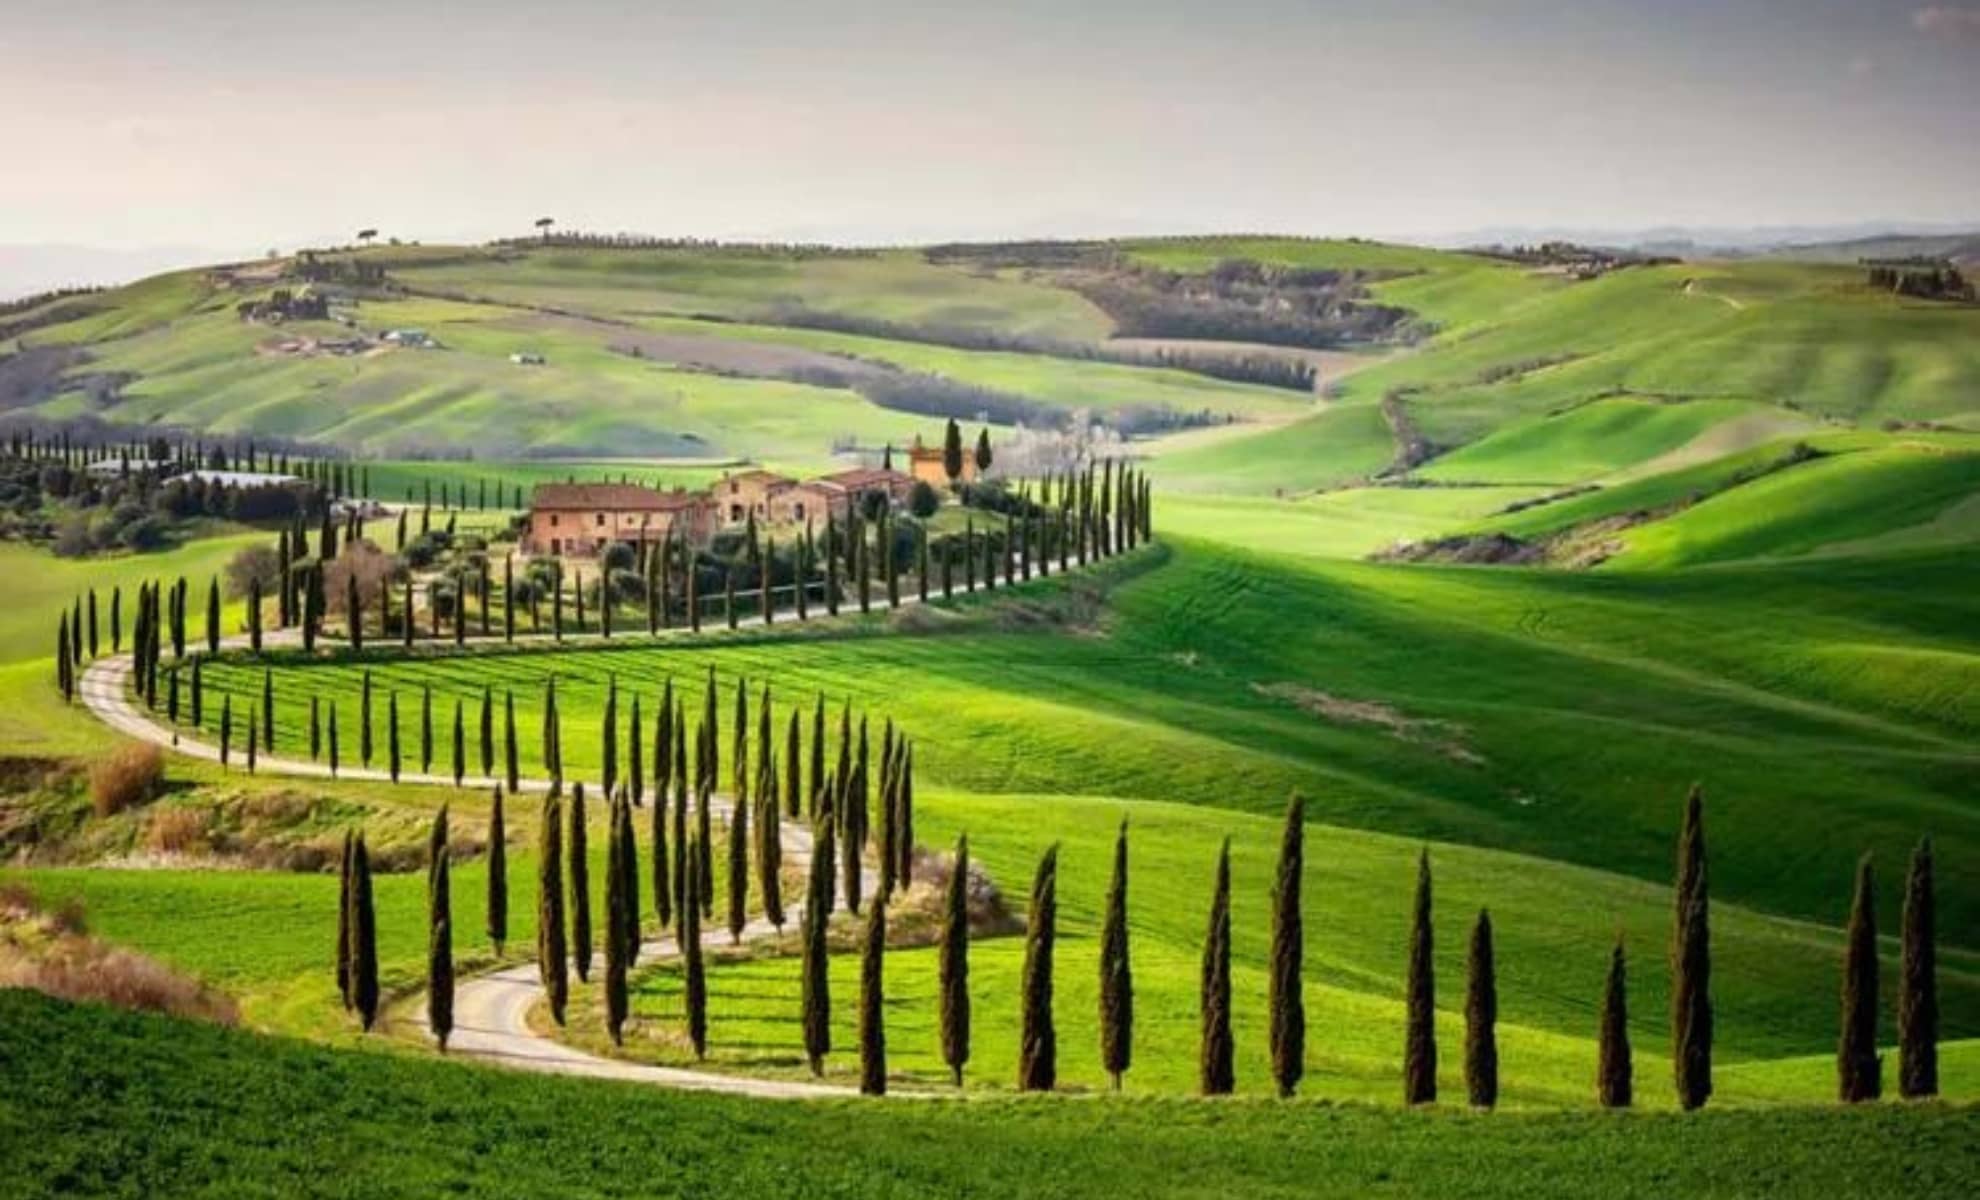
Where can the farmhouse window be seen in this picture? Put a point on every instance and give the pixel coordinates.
(556, 544)
(553, 520)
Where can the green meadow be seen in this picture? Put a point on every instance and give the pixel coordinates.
(1748, 498)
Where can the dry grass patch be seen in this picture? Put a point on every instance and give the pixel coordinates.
(53, 953)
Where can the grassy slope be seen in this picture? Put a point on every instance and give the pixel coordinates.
(1598, 439)
(1592, 700)
(223, 1113)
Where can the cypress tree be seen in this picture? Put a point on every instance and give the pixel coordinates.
(580, 877)
(392, 734)
(487, 733)
(1481, 1016)
(695, 981)
(1420, 1041)
(635, 763)
(1038, 1044)
(793, 767)
(738, 868)
(268, 710)
(354, 611)
(1859, 1071)
(226, 726)
(678, 847)
(1613, 1068)
(550, 947)
(512, 767)
(904, 819)
(1287, 996)
(198, 695)
(213, 616)
(1116, 972)
(333, 741)
(872, 1016)
(769, 844)
(498, 874)
(315, 728)
(64, 670)
(117, 620)
(440, 934)
(615, 922)
(460, 745)
(425, 729)
(1918, 982)
(364, 938)
(608, 736)
(1691, 963)
(254, 615)
(817, 995)
(816, 778)
(344, 867)
(663, 886)
(954, 964)
(629, 874)
(1216, 1073)
(364, 719)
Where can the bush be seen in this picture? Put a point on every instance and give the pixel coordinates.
(923, 501)
(177, 831)
(250, 564)
(128, 777)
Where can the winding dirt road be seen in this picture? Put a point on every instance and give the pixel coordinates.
(491, 1011)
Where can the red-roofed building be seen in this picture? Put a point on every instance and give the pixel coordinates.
(578, 520)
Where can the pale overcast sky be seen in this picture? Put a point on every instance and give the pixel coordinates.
(216, 122)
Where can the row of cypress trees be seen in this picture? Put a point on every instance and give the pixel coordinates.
(1859, 1067)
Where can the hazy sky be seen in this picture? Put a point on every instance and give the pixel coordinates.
(216, 122)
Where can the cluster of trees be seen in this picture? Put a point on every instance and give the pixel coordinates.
(1244, 301)
(765, 788)
(1924, 278)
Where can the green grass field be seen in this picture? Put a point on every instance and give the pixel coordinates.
(223, 1111)
(1783, 613)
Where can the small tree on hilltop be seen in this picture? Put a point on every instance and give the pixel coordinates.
(983, 457)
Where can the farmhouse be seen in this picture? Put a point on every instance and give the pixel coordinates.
(925, 463)
(579, 520)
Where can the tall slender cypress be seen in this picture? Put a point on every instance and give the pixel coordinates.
(440, 933)
(817, 988)
(1691, 962)
(872, 1000)
(550, 946)
(498, 873)
(580, 880)
(344, 868)
(1918, 982)
(1287, 987)
(364, 938)
(1116, 971)
(1420, 1040)
(615, 921)
(738, 868)
(1614, 1086)
(663, 884)
(1859, 1070)
(1216, 1070)
(635, 755)
(425, 729)
(511, 764)
(487, 733)
(954, 964)
(460, 745)
(333, 739)
(1481, 1017)
(364, 718)
(694, 977)
(629, 872)
(1038, 1040)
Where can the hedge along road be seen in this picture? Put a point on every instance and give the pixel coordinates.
(491, 1010)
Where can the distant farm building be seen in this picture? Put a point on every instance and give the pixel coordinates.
(410, 339)
(581, 519)
(925, 463)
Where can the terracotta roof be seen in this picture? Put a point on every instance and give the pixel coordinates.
(860, 478)
(759, 473)
(619, 497)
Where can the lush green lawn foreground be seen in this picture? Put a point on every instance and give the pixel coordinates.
(99, 1103)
